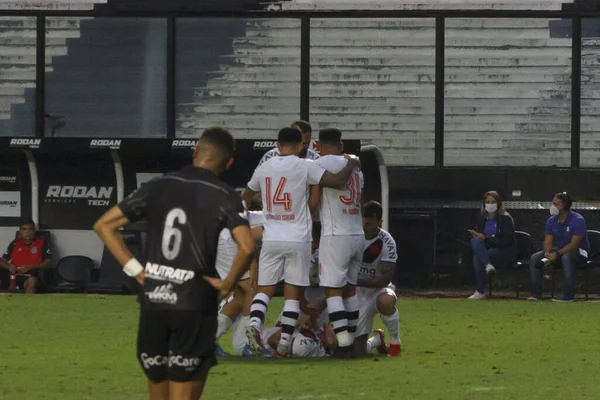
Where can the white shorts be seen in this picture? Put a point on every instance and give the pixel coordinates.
(367, 302)
(340, 259)
(224, 270)
(287, 261)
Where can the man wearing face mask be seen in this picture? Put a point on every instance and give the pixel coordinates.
(494, 243)
(566, 243)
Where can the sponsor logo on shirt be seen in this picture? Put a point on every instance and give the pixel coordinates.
(165, 273)
(163, 294)
(370, 271)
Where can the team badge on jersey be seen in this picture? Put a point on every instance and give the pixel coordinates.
(373, 251)
(34, 250)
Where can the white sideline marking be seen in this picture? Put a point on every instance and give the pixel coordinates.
(487, 389)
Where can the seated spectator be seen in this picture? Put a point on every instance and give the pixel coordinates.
(565, 244)
(494, 243)
(25, 256)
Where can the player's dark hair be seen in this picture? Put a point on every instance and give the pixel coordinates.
(289, 136)
(373, 209)
(316, 230)
(330, 136)
(26, 221)
(566, 199)
(303, 126)
(221, 139)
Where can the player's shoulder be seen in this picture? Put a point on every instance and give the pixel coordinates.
(269, 155)
(385, 236)
(331, 160)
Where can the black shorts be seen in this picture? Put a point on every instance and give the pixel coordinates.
(177, 346)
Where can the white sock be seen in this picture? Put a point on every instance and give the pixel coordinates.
(223, 325)
(373, 343)
(337, 318)
(258, 309)
(351, 307)
(289, 319)
(392, 324)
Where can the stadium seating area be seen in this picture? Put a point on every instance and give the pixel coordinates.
(507, 80)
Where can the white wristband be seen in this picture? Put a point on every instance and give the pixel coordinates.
(133, 267)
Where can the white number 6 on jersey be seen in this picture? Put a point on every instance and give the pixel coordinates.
(171, 250)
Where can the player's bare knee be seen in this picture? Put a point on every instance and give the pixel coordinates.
(267, 290)
(333, 292)
(293, 292)
(349, 291)
(386, 304)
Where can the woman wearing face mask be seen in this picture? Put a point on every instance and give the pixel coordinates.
(494, 244)
(566, 243)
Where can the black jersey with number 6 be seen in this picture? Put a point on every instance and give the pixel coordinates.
(185, 212)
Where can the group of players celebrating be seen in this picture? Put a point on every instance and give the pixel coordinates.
(331, 296)
(202, 244)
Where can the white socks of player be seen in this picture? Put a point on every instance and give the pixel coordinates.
(223, 325)
(339, 321)
(258, 309)
(289, 319)
(392, 324)
(373, 343)
(351, 307)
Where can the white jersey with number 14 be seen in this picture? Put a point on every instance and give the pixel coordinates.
(340, 209)
(284, 182)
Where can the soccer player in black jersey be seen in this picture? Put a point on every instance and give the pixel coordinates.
(185, 211)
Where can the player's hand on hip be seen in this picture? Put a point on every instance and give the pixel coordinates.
(223, 288)
(353, 159)
(12, 268)
(140, 278)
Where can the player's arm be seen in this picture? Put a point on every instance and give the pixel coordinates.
(249, 195)
(316, 192)
(133, 208)
(386, 273)
(244, 256)
(5, 259)
(236, 219)
(338, 180)
(252, 190)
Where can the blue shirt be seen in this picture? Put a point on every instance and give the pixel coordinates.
(562, 233)
(490, 227)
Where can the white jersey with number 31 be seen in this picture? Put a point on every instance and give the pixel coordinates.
(284, 182)
(340, 209)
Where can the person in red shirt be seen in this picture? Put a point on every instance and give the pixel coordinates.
(25, 256)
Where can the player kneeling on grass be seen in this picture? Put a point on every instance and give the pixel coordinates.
(316, 307)
(376, 294)
(239, 305)
(185, 211)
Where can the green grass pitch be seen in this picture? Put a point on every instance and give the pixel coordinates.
(83, 347)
